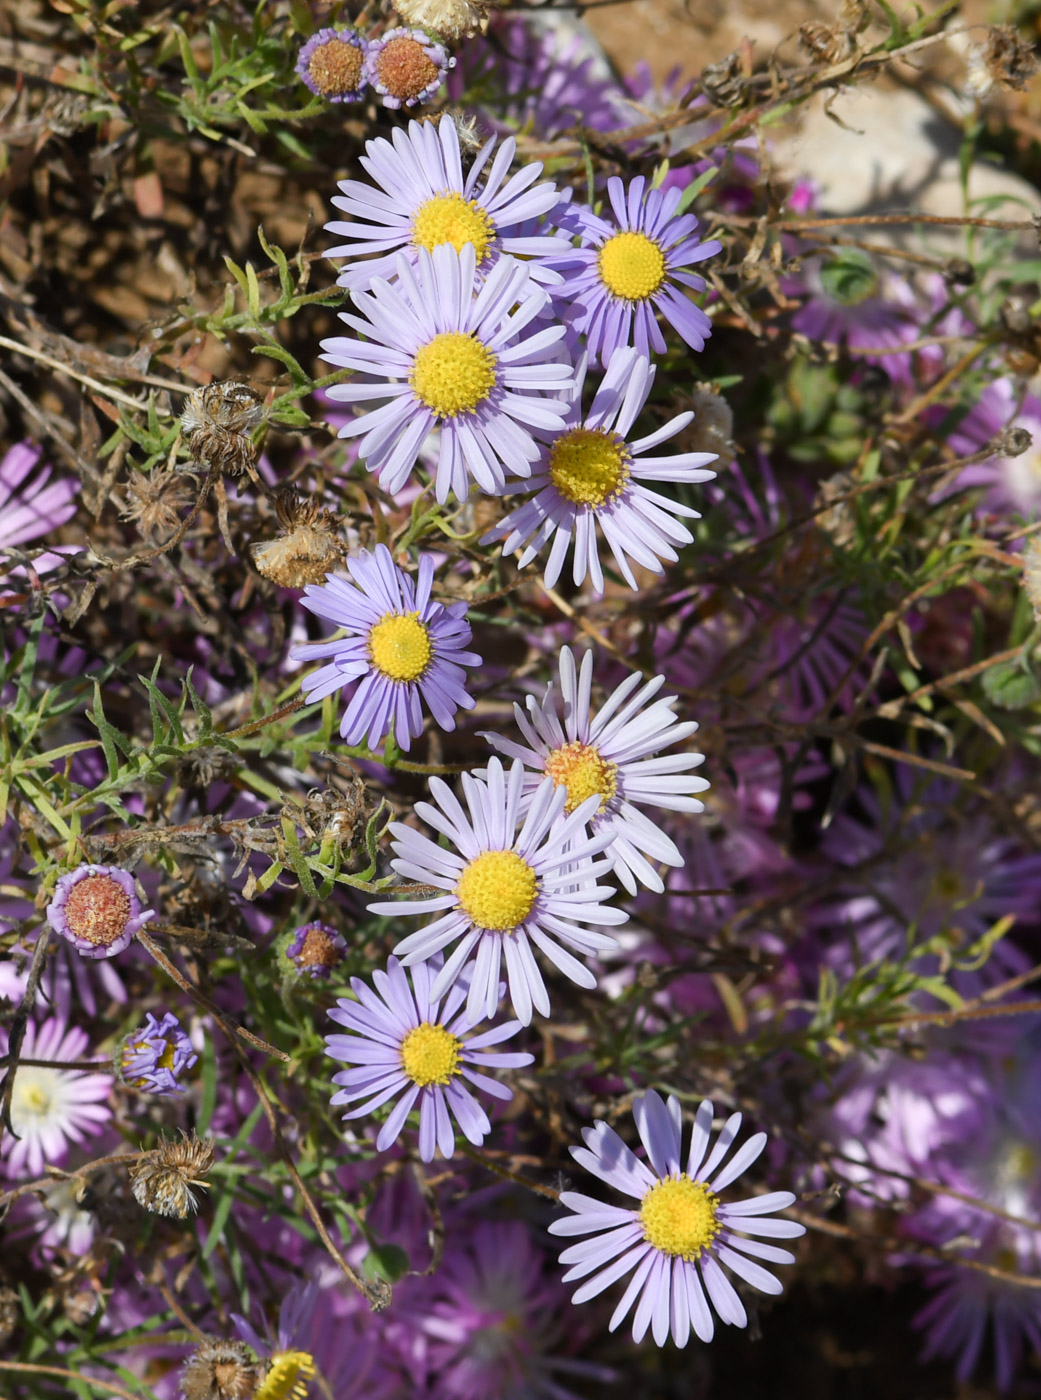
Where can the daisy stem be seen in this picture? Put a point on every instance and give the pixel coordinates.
(492, 1166)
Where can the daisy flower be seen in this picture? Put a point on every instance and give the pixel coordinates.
(589, 475)
(611, 756)
(425, 200)
(629, 269)
(446, 354)
(155, 1055)
(406, 67)
(97, 909)
(52, 1107)
(331, 64)
(681, 1233)
(507, 893)
(403, 650)
(406, 1045)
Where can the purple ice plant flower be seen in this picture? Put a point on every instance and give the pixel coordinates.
(33, 506)
(681, 1234)
(627, 270)
(851, 304)
(447, 350)
(155, 1056)
(405, 1044)
(426, 200)
(332, 64)
(315, 949)
(402, 650)
(405, 67)
(590, 474)
(495, 1319)
(507, 892)
(1009, 484)
(97, 909)
(52, 1107)
(612, 756)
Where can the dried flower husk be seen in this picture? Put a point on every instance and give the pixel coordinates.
(309, 547)
(163, 1178)
(217, 420)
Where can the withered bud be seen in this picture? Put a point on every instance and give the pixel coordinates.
(838, 520)
(309, 547)
(162, 1179)
(1005, 58)
(217, 421)
(723, 82)
(824, 42)
(466, 128)
(713, 425)
(157, 499)
(451, 19)
(1015, 315)
(219, 1370)
(1011, 442)
(959, 272)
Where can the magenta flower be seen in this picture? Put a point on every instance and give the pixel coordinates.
(681, 1234)
(52, 1107)
(402, 650)
(97, 909)
(629, 269)
(406, 1045)
(507, 892)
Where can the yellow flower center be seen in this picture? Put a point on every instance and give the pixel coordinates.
(497, 890)
(679, 1217)
(30, 1097)
(430, 1055)
(580, 769)
(287, 1377)
(399, 645)
(453, 373)
(449, 218)
(588, 466)
(632, 266)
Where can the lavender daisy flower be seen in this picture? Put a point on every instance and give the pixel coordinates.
(850, 304)
(445, 354)
(507, 892)
(97, 909)
(590, 475)
(681, 1234)
(426, 201)
(52, 1107)
(406, 67)
(629, 269)
(156, 1055)
(315, 949)
(611, 757)
(32, 506)
(332, 64)
(406, 1045)
(1011, 484)
(403, 650)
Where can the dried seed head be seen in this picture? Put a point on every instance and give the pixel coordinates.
(162, 1179)
(156, 501)
(1005, 58)
(219, 1370)
(824, 42)
(217, 421)
(724, 82)
(713, 426)
(309, 547)
(452, 19)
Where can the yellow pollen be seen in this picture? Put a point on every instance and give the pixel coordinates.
(580, 769)
(34, 1098)
(453, 373)
(632, 266)
(588, 466)
(679, 1217)
(430, 1055)
(399, 646)
(497, 890)
(287, 1377)
(449, 218)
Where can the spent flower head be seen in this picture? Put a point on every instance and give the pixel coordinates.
(97, 909)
